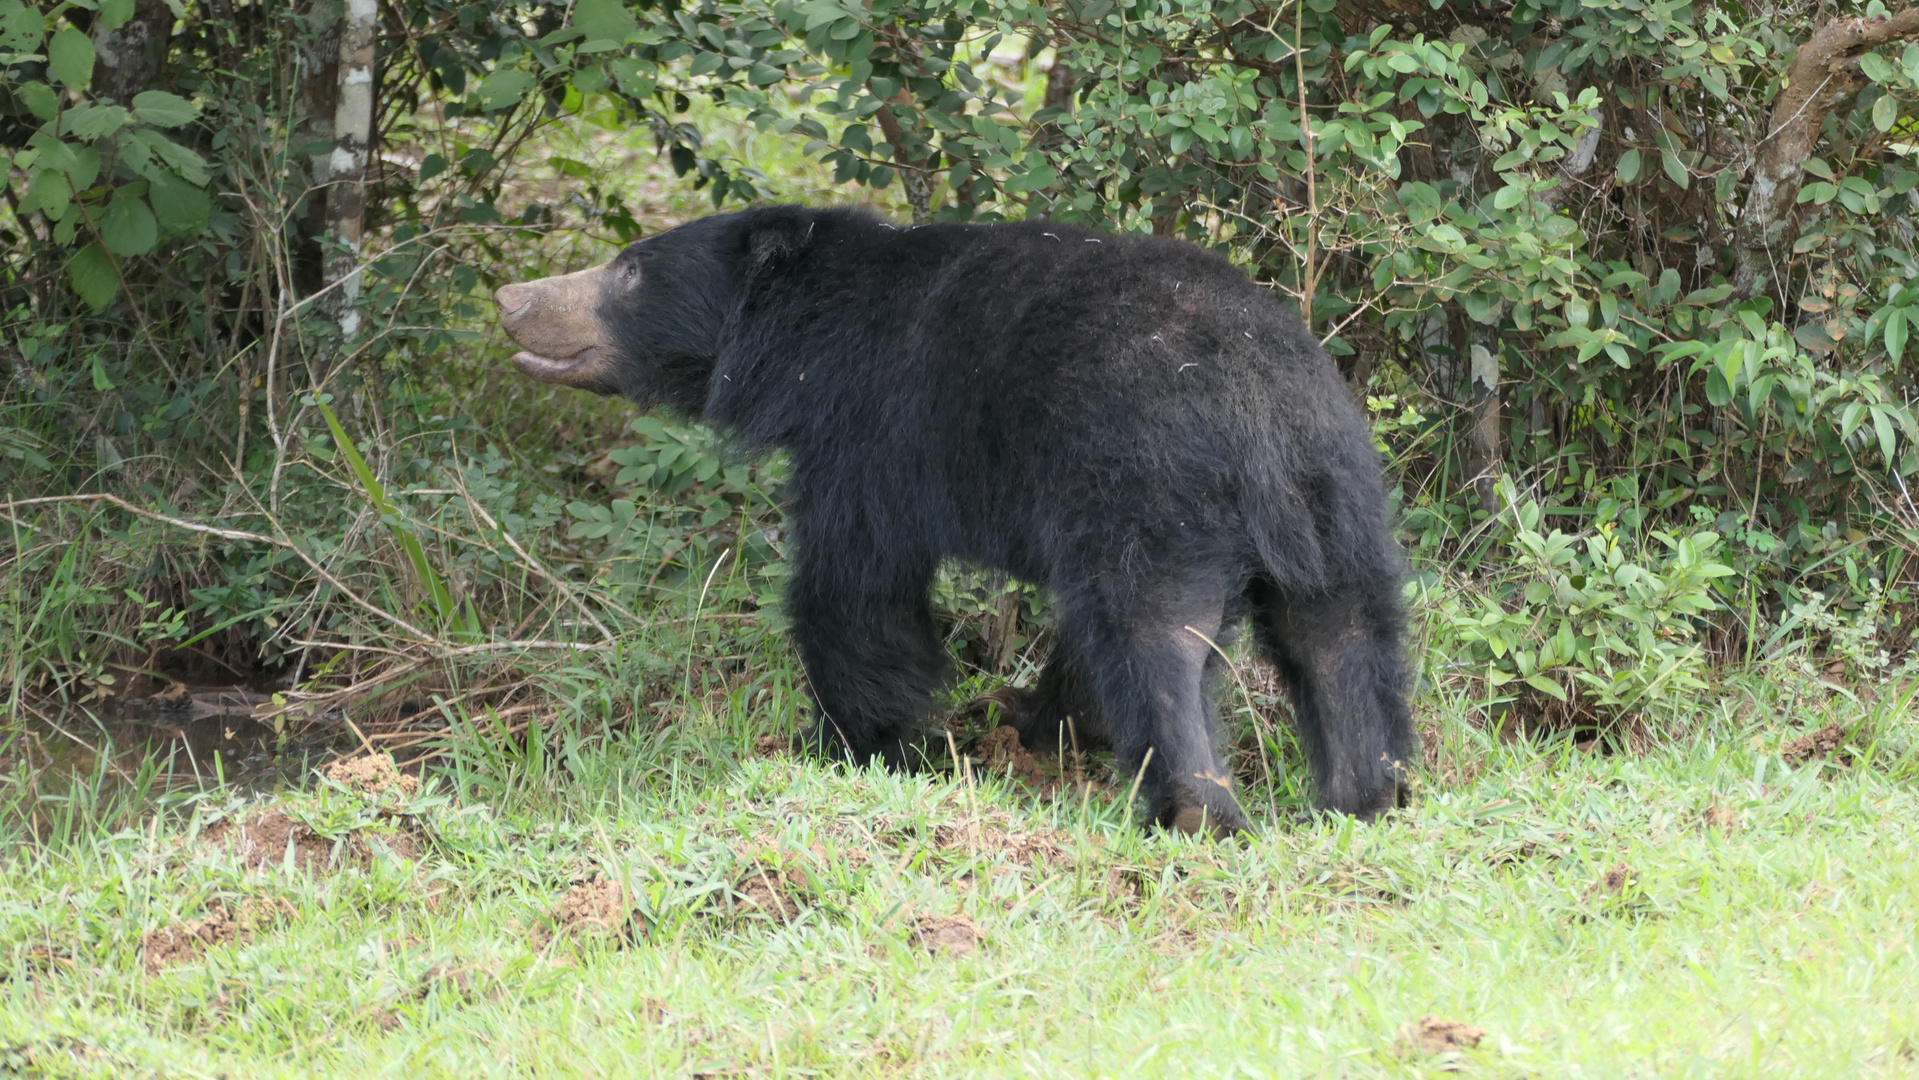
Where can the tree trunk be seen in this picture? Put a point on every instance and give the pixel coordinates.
(128, 57)
(1822, 76)
(346, 168)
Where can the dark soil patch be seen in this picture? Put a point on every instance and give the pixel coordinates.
(185, 942)
(1614, 882)
(768, 892)
(955, 934)
(1000, 753)
(772, 745)
(1432, 1036)
(469, 982)
(1818, 745)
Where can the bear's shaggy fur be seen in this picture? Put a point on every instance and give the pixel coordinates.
(1125, 420)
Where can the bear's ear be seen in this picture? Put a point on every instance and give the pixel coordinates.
(775, 242)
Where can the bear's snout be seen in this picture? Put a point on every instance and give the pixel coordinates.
(556, 323)
(514, 298)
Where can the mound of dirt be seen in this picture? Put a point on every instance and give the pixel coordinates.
(596, 907)
(186, 941)
(371, 774)
(1000, 753)
(1037, 849)
(768, 892)
(1721, 817)
(1431, 1036)
(772, 745)
(1819, 744)
(263, 838)
(955, 934)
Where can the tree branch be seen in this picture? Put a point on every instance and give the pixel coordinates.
(1822, 76)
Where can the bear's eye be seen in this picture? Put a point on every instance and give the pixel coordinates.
(627, 273)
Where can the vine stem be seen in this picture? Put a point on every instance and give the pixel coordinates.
(1312, 169)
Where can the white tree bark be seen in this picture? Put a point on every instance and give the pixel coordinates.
(346, 166)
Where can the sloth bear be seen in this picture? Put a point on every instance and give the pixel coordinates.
(1127, 421)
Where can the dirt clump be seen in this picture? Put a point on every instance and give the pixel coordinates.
(1432, 1036)
(769, 892)
(1819, 744)
(772, 745)
(371, 774)
(1723, 818)
(1614, 882)
(954, 934)
(1618, 883)
(1000, 753)
(596, 907)
(264, 837)
(184, 942)
(461, 980)
(985, 838)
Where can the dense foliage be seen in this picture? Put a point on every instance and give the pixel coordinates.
(1644, 268)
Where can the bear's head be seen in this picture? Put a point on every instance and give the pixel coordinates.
(646, 325)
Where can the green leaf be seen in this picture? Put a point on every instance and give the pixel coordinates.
(70, 58)
(1675, 169)
(48, 192)
(1897, 326)
(146, 144)
(161, 109)
(115, 13)
(182, 208)
(100, 380)
(376, 494)
(1717, 391)
(503, 88)
(604, 20)
(1629, 166)
(94, 278)
(92, 122)
(1546, 686)
(1884, 112)
(21, 28)
(1888, 438)
(128, 227)
(41, 100)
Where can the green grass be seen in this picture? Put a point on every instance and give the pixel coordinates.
(1764, 925)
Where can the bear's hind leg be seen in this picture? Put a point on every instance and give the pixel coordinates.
(872, 655)
(1341, 655)
(1149, 685)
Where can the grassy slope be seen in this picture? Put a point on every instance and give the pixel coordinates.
(1779, 942)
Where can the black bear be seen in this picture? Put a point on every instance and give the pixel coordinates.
(1127, 421)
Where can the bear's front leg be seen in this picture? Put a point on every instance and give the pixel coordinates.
(872, 651)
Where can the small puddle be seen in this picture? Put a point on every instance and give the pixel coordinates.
(187, 740)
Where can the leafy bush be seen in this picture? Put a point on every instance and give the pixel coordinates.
(1649, 251)
(1583, 626)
